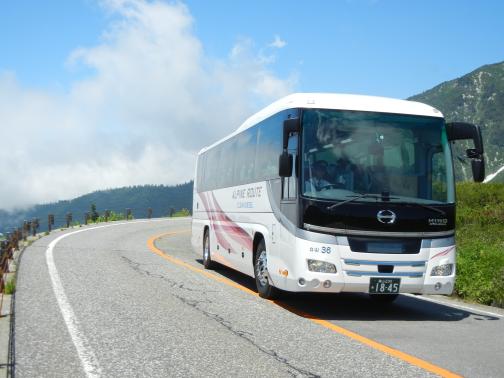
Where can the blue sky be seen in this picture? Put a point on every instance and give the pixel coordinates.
(98, 94)
(392, 48)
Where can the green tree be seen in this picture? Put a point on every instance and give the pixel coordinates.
(94, 213)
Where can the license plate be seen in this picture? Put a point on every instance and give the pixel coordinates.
(384, 285)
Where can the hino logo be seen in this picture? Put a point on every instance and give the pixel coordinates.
(438, 221)
(386, 216)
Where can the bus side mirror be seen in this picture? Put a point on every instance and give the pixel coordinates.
(464, 131)
(291, 125)
(285, 165)
(478, 169)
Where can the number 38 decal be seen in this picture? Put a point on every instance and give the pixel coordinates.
(323, 249)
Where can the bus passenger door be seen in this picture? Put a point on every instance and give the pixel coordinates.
(288, 203)
(289, 209)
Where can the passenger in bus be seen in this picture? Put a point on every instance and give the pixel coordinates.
(317, 180)
(342, 174)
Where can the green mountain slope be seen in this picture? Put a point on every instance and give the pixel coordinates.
(137, 198)
(477, 97)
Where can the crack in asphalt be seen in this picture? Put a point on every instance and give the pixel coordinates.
(172, 283)
(246, 336)
(195, 304)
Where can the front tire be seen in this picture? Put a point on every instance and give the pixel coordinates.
(207, 259)
(264, 287)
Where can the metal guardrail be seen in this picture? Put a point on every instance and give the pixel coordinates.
(7, 248)
(31, 227)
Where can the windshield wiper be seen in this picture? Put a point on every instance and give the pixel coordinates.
(363, 195)
(385, 198)
(423, 205)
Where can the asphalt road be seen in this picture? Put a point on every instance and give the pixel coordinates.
(101, 302)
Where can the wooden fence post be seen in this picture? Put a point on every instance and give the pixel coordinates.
(26, 229)
(68, 219)
(50, 222)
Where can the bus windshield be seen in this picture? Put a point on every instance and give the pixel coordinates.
(348, 153)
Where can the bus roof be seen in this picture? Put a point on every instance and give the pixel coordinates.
(337, 101)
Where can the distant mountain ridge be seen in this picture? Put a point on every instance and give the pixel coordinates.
(477, 97)
(160, 198)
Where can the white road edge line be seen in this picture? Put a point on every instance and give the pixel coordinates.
(86, 355)
(460, 307)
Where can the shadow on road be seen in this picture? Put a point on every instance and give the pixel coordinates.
(350, 306)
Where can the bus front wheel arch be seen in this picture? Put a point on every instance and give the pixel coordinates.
(263, 283)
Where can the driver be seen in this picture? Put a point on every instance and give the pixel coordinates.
(317, 181)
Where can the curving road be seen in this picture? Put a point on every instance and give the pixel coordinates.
(116, 301)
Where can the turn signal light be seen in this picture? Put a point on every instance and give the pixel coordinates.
(283, 272)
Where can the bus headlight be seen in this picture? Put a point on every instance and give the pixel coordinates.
(321, 266)
(442, 270)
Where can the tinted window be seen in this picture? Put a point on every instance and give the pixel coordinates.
(200, 172)
(349, 152)
(227, 163)
(289, 183)
(245, 156)
(269, 148)
(212, 168)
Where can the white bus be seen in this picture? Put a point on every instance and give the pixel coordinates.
(334, 193)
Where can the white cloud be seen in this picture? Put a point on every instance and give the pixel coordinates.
(154, 99)
(278, 42)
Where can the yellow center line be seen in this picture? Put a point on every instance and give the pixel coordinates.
(157, 251)
(324, 323)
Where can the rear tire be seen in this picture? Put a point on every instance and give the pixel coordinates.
(384, 299)
(207, 259)
(264, 287)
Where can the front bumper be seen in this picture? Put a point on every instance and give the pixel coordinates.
(355, 269)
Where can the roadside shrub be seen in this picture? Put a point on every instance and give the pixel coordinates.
(10, 286)
(480, 243)
(499, 290)
(181, 213)
(113, 216)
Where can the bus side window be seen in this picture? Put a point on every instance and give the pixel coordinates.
(226, 163)
(200, 185)
(290, 183)
(245, 156)
(212, 168)
(269, 147)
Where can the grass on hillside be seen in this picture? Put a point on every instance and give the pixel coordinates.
(480, 243)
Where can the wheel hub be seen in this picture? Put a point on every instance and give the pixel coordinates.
(262, 269)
